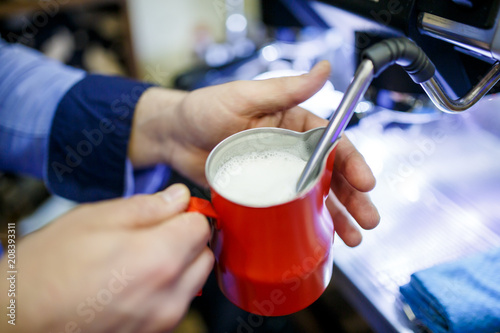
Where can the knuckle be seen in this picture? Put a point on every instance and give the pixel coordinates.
(198, 224)
(171, 270)
(372, 220)
(166, 268)
(349, 161)
(209, 259)
(350, 201)
(143, 206)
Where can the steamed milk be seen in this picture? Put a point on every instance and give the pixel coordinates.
(259, 179)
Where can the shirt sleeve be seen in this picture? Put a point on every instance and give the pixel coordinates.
(69, 128)
(30, 89)
(89, 139)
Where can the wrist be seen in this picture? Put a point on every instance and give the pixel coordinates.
(153, 126)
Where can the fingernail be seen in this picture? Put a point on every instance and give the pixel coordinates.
(175, 193)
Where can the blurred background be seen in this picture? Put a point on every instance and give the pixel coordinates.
(438, 174)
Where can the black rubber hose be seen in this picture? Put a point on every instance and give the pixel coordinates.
(403, 52)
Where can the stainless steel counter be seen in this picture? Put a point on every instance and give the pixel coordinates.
(438, 193)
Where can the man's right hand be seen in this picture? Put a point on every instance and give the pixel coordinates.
(126, 265)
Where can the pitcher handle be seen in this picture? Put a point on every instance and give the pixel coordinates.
(204, 207)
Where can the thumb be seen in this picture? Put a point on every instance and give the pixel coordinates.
(278, 94)
(142, 211)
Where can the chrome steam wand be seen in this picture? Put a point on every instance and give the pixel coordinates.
(376, 59)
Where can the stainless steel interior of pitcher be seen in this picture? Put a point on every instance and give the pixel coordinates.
(261, 140)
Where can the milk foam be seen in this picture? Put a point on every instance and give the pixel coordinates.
(259, 179)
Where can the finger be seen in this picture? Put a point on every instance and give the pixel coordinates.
(301, 120)
(279, 94)
(194, 277)
(171, 304)
(185, 235)
(358, 204)
(352, 165)
(344, 227)
(141, 210)
(348, 160)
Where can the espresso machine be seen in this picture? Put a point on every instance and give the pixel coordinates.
(438, 173)
(460, 37)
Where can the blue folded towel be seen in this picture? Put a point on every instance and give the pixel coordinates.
(460, 296)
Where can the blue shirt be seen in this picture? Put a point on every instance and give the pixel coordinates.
(69, 128)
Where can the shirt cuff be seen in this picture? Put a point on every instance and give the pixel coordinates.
(87, 151)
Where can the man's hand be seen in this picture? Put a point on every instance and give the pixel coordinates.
(127, 265)
(181, 129)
